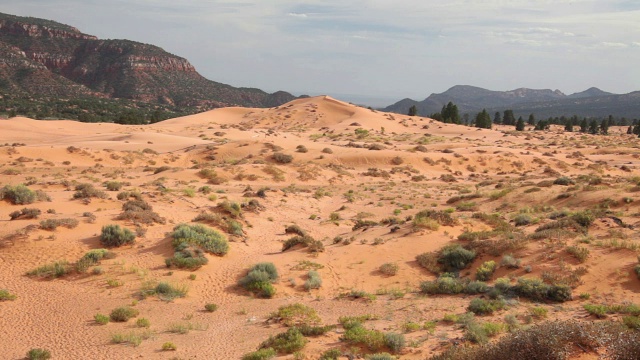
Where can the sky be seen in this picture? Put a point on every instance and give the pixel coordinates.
(377, 50)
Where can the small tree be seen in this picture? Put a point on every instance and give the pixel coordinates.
(413, 111)
(483, 120)
(593, 127)
(584, 126)
(531, 120)
(604, 126)
(497, 118)
(568, 126)
(520, 124)
(508, 118)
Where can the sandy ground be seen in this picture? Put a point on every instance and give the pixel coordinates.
(55, 156)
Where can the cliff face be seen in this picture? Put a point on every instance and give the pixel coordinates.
(71, 62)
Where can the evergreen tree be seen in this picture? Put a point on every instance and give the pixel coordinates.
(630, 130)
(508, 118)
(584, 126)
(568, 126)
(531, 120)
(483, 120)
(604, 126)
(465, 118)
(593, 127)
(450, 113)
(413, 111)
(497, 118)
(520, 124)
(636, 129)
(542, 125)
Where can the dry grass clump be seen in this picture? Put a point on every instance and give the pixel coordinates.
(282, 158)
(314, 246)
(53, 224)
(25, 214)
(212, 176)
(140, 212)
(295, 315)
(87, 191)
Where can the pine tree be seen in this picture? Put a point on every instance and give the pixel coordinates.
(497, 118)
(593, 127)
(604, 126)
(413, 111)
(584, 126)
(568, 126)
(520, 124)
(532, 120)
(483, 120)
(508, 118)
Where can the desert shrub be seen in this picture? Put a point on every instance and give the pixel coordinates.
(101, 319)
(91, 258)
(394, 341)
(18, 195)
(54, 270)
(554, 341)
(115, 236)
(480, 306)
(429, 261)
(380, 356)
(262, 354)
(374, 340)
(360, 224)
(475, 333)
(538, 312)
(445, 284)
(143, 323)
(295, 229)
(6, 295)
(124, 195)
(309, 330)
(187, 257)
(455, 257)
(632, 322)
(287, 342)
(314, 281)
(26, 213)
(86, 191)
(282, 158)
(38, 354)
(510, 262)
(349, 322)
(563, 180)
(579, 252)
(160, 169)
(140, 212)
(331, 354)
(522, 220)
(397, 160)
(302, 149)
(259, 279)
(486, 270)
(52, 224)
(584, 218)
(327, 151)
(442, 217)
(169, 346)
(168, 292)
(389, 269)
(113, 185)
(211, 307)
(536, 289)
(202, 236)
(123, 314)
(297, 314)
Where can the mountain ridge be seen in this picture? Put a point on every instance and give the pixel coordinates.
(592, 102)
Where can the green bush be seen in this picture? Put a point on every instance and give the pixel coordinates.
(380, 356)
(389, 269)
(259, 279)
(38, 354)
(314, 281)
(52, 224)
(113, 185)
(522, 220)
(287, 342)
(115, 236)
(295, 315)
(101, 319)
(6, 295)
(187, 257)
(536, 289)
(455, 257)
(394, 341)
(18, 195)
(564, 180)
(486, 270)
(26, 213)
(208, 239)
(123, 314)
(211, 307)
(374, 340)
(484, 307)
(262, 354)
(169, 346)
(167, 292)
(331, 354)
(54, 270)
(450, 284)
(86, 191)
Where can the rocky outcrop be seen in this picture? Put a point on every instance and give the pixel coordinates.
(113, 68)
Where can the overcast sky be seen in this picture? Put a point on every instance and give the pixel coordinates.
(377, 48)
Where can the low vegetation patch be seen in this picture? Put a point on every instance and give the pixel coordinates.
(115, 236)
(259, 280)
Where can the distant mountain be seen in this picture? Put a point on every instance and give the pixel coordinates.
(41, 57)
(543, 103)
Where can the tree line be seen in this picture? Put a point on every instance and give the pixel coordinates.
(450, 115)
